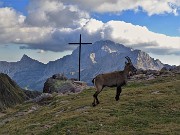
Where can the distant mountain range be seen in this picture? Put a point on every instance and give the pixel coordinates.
(100, 57)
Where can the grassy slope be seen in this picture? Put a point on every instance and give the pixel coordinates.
(10, 92)
(139, 111)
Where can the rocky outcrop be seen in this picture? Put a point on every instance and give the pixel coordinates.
(60, 84)
(152, 74)
(32, 94)
(176, 70)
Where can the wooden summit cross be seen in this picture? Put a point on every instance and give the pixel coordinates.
(80, 43)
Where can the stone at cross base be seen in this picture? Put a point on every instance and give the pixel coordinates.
(60, 84)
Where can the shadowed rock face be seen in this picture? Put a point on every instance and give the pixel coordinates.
(58, 83)
(10, 93)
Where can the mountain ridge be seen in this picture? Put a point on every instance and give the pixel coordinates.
(100, 57)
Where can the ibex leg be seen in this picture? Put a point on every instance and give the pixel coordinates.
(118, 92)
(96, 101)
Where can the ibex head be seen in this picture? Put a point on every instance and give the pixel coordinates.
(129, 66)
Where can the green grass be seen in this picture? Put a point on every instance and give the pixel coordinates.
(138, 112)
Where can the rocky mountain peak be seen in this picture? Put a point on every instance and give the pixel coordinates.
(25, 58)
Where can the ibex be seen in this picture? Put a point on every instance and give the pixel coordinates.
(113, 79)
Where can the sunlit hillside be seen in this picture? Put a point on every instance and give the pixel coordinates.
(146, 107)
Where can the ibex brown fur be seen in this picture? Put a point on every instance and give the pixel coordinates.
(113, 79)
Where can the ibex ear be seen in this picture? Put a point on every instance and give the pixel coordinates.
(125, 62)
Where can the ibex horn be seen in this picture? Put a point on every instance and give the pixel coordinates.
(128, 59)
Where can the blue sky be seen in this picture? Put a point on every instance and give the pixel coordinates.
(166, 24)
(19, 5)
(43, 28)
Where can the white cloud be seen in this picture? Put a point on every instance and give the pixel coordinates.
(150, 6)
(93, 25)
(14, 30)
(125, 33)
(10, 22)
(9, 17)
(133, 35)
(51, 25)
(53, 13)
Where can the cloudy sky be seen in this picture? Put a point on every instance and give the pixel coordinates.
(42, 29)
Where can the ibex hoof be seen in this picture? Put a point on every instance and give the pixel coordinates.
(97, 102)
(117, 98)
(93, 104)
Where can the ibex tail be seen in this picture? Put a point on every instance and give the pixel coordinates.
(93, 80)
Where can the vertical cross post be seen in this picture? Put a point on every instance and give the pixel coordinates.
(80, 58)
(80, 43)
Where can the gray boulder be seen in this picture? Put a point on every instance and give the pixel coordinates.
(60, 84)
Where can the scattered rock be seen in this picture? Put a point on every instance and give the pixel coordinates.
(64, 101)
(43, 97)
(156, 92)
(83, 108)
(139, 76)
(68, 132)
(101, 125)
(19, 114)
(47, 126)
(150, 77)
(34, 124)
(152, 74)
(33, 108)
